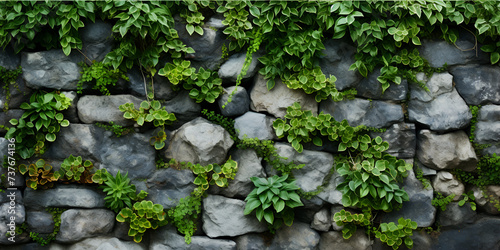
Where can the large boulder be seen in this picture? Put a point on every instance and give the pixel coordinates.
(78, 224)
(447, 184)
(442, 109)
(338, 56)
(92, 109)
(278, 99)
(64, 196)
(249, 165)
(224, 217)
(477, 84)
(255, 125)
(377, 114)
(446, 151)
(199, 141)
(240, 101)
(317, 165)
(51, 69)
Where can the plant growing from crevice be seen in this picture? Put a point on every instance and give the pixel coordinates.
(74, 169)
(214, 174)
(141, 217)
(99, 76)
(273, 199)
(419, 174)
(118, 130)
(185, 215)
(150, 112)
(40, 122)
(40, 175)
(442, 202)
(56, 217)
(8, 78)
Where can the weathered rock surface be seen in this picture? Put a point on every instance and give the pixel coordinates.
(371, 88)
(249, 165)
(488, 125)
(447, 184)
(8, 210)
(322, 220)
(477, 84)
(456, 215)
(442, 109)
(168, 186)
(330, 193)
(78, 224)
(101, 243)
(184, 108)
(40, 222)
(446, 151)
(377, 114)
(231, 68)
(359, 241)
(338, 56)
(97, 40)
(8, 59)
(167, 238)
(276, 100)
(483, 199)
(254, 125)
(199, 141)
(402, 140)
(92, 109)
(240, 101)
(224, 217)
(298, 236)
(162, 87)
(64, 196)
(50, 69)
(317, 165)
(439, 52)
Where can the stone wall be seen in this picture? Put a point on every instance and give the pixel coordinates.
(429, 129)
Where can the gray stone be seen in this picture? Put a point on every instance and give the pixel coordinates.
(50, 69)
(330, 193)
(402, 140)
(447, 184)
(93, 108)
(7, 243)
(377, 114)
(456, 215)
(276, 100)
(440, 52)
(9, 210)
(488, 125)
(322, 220)
(14, 195)
(78, 224)
(231, 68)
(240, 101)
(477, 84)
(255, 125)
(184, 107)
(64, 196)
(426, 171)
(166, 238)
(442, 109)
(101, 243)
(338, 56)
(371, 88)
(207, 47)
(224, 217)
(199, 141)
(8, 59)
(446, 151)
(298, 236)
(249, 165)
(97, 40)
(168, 186)
(481, 235)
(317, 166)
(251, 242)
(359, 241)
(76, 139)
(40, 222)
(486, 200)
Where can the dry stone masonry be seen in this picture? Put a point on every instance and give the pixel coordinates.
(431, 127)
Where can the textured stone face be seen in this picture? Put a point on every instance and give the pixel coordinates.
(255, 125)
(447, 184)
(231, 68)
(371, 88)
(93, 109)
(359, 241)
(240, 101)
(338, 56)
(78, 224)
(249, 165)
(64, 196)
(477, 84)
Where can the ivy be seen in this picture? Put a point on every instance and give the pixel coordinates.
(100, 77)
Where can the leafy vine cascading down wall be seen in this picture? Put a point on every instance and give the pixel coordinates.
(250, 124)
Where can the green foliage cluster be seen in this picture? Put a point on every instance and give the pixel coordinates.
(100, 77)
(273, 199)
(185, 215)
(442, 202)
(487, 172)
(392, 234)
(173, 163)
(203, 85)
(475, 112)
(419, 174)
(142, 216)
(119, 192)
(74, 169)
(40, 122)
(226, 123)
(214, 174)
(40, 174)
(118, 130)
(150, 112)
(56, 217)
(8, 78)
(194, 19)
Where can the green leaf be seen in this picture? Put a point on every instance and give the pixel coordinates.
(279, 206)
(251, 205)
(494, 57)
(317, 141)
(50, 137)
(269, 216)
(190, 28)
